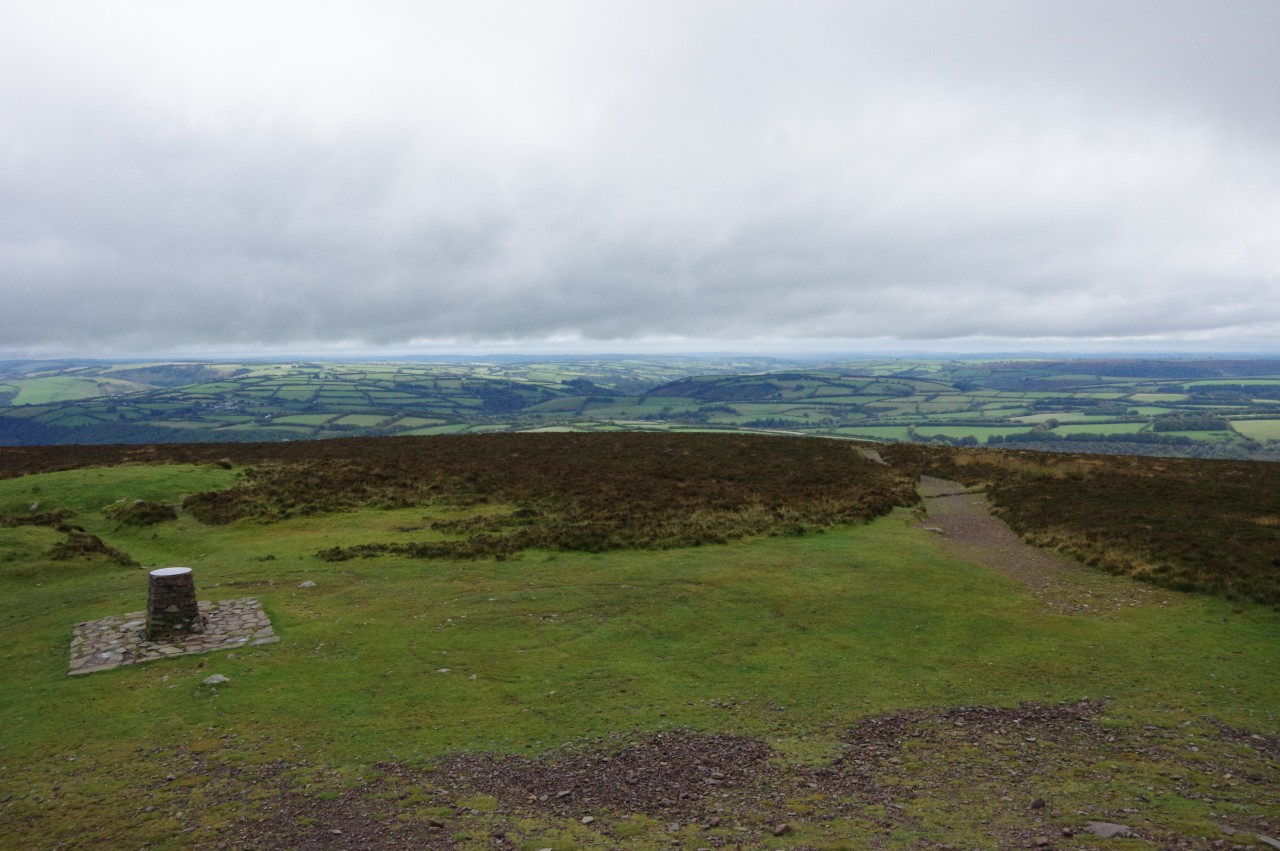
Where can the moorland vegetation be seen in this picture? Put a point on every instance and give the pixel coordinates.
(716, 640)
(1187, 524)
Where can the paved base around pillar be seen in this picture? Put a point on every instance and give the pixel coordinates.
(119, 640)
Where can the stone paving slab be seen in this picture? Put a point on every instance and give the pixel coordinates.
(118, 640)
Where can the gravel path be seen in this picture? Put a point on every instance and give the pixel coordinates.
(962, 518)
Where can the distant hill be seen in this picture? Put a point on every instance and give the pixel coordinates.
(1208, 408)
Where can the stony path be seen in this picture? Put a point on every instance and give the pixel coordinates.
(969, 531)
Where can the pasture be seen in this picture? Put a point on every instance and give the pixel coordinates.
(950, 401)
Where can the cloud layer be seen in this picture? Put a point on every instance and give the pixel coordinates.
(181, 176)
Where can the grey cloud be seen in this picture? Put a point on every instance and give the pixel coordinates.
(404, 175)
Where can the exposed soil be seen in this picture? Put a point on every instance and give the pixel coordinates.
(962, 518)
(981, 776)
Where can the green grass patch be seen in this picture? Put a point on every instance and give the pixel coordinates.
(1159, 397)
(303, 419)
(454, 428)
(416, 422)
(404, 662)
(876, 432)
(1207, 435)
(362, 420)
(93, 489)
(1102, 428)
(960, 431)
(1258, 429)
(63, 388)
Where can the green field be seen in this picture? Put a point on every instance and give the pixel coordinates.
(1102, 428)
(39, 391)
(391, 669)
(366, 420)
(303, 419)
(943, 400)
(877, 432)
(962, 431)
(1258, 429)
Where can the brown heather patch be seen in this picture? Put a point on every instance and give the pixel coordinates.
(572, 491)
(1187, 524)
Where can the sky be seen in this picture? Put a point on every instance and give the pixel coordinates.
(607, 175)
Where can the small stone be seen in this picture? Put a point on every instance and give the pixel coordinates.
(1068, 832)
(587, 819)
(307, 584)
(215, 680)
(563, 793)
(1106, 829)
(435, 824)
(1037, 804)
(1042, 842)
(443, 670)
(782, 829)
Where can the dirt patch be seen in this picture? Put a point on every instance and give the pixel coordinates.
(969, 531)
(675, 774)
(976, 776)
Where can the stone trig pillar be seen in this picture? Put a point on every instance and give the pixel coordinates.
(172, 610)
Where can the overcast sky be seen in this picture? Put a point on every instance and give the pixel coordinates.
(630, 176)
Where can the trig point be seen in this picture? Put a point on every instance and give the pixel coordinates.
(172, 610)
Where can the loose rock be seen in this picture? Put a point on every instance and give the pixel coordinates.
(215, 680)
(1106, 829)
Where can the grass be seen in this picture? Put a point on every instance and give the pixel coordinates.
(876, 432)
(801, 636)
(790, 639)
(1101, 428)
(93, 490)
(41, 391)
(1258, 429)
(979, 432)
(324, 399)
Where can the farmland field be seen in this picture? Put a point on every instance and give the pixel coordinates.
(1258, 429)
(962, 431)
(1089, 405)
(1102, 428)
